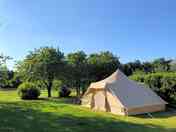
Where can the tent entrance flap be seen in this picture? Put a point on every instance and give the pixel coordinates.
(99, 101)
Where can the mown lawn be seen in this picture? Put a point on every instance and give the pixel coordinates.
(56, 115)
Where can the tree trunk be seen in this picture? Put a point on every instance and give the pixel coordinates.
(49, 89)
(78, 89)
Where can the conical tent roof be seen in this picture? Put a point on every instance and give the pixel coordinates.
(102, 84)
(129, 93)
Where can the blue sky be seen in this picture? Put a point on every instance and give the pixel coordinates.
(131, 29)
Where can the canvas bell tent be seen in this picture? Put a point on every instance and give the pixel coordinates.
(119, 95)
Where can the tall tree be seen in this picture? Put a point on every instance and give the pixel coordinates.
(127, 69)
(78, 73)
(102, 65)
(44, 64)
(131, 67)
(4, 72)
(3, 76)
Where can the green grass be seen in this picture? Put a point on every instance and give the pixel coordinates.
(55, 115)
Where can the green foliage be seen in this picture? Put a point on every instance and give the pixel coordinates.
(164, 83)
(44, 64)
(3, 59)
(3, 76)
(77, 69)
(158, 65)
(28, 90)
(82, 69)
(102, 65)
(8, 79)
(161, 65)
(131, 67)
(57, 84)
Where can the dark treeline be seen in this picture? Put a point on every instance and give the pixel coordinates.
(8, 78)
(47, 65)
(158, 65)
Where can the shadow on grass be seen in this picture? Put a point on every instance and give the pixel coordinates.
(25, 117)
(68, 100)
(170, 112)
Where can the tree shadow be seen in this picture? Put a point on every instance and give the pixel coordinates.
(170, 112)
(23, 117)
(67, 100)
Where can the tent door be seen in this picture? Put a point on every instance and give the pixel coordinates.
(99, 101)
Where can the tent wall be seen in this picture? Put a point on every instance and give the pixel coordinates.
(146, 109)
(99, 101)
(115, 106)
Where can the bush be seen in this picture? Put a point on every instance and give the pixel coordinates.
(64, 91)
(164, 84)
(28, 90)
(57, 84)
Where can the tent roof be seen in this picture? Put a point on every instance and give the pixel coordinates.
(102, 84)
(130, 93)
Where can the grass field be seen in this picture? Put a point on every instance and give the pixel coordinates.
(56, 115)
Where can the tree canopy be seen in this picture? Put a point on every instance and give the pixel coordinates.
(49, 68)
(102, 64)
(3, 59)
(44, 64)
(77, 63)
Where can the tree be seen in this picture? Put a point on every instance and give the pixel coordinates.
(161, 64)
(127, 69)
(44, 64)
(3, 59)
(131, 67)
(78, 72)
(148, 67)
(5, 74)
(102, 65)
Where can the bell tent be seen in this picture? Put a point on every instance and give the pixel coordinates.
(119, 95)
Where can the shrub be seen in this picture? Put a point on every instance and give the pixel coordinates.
(28, 90)
(57, 84)
(64, 91)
